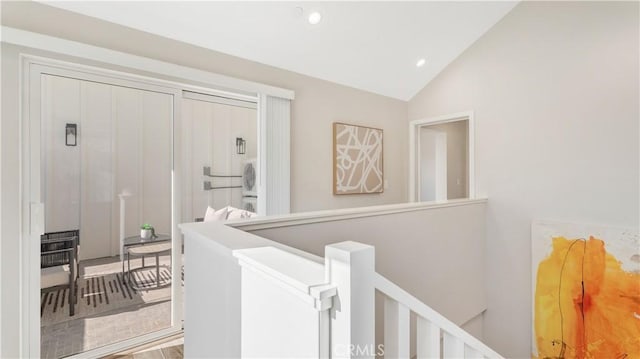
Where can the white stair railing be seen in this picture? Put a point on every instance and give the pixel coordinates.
(293, 307)
(437, 336)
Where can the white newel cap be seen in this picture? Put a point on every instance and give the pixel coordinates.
(344, 250)
(299, 275)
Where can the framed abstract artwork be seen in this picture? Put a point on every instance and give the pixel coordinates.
(586, 291)
(357, 159)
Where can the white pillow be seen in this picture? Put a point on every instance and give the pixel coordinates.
(213, 215)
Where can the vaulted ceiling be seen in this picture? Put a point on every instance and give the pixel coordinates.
(373, 46)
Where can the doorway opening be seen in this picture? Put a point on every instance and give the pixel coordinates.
(442, 158)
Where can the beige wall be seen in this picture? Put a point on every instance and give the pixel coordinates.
(318, 103)
(554, 89)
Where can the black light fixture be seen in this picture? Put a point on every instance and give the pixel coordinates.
(71, 134)
(241, 146)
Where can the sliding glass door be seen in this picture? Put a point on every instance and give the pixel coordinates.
(108, 253)
(221, 144)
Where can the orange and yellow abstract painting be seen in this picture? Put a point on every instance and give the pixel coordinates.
(586, 305)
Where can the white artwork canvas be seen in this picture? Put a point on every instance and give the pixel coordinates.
(586, 291)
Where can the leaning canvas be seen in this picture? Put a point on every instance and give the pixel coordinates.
(357, 159)
(586, 289)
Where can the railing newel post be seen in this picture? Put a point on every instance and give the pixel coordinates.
(350, 266)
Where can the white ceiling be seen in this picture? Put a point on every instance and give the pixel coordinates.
(373, 46)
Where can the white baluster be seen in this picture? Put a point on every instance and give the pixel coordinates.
(453, 347)
(396, 330)
(428, 339)
(455, 338)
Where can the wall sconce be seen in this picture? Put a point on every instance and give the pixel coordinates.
(241, 146)
(71, 134)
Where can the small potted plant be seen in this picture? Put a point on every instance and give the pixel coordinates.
(146, 231)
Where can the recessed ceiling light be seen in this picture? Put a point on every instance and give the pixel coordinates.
(314, 18)
(421, 62)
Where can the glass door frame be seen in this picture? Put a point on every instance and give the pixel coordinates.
(32, 204)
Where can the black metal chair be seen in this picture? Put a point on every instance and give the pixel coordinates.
(59, 256)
